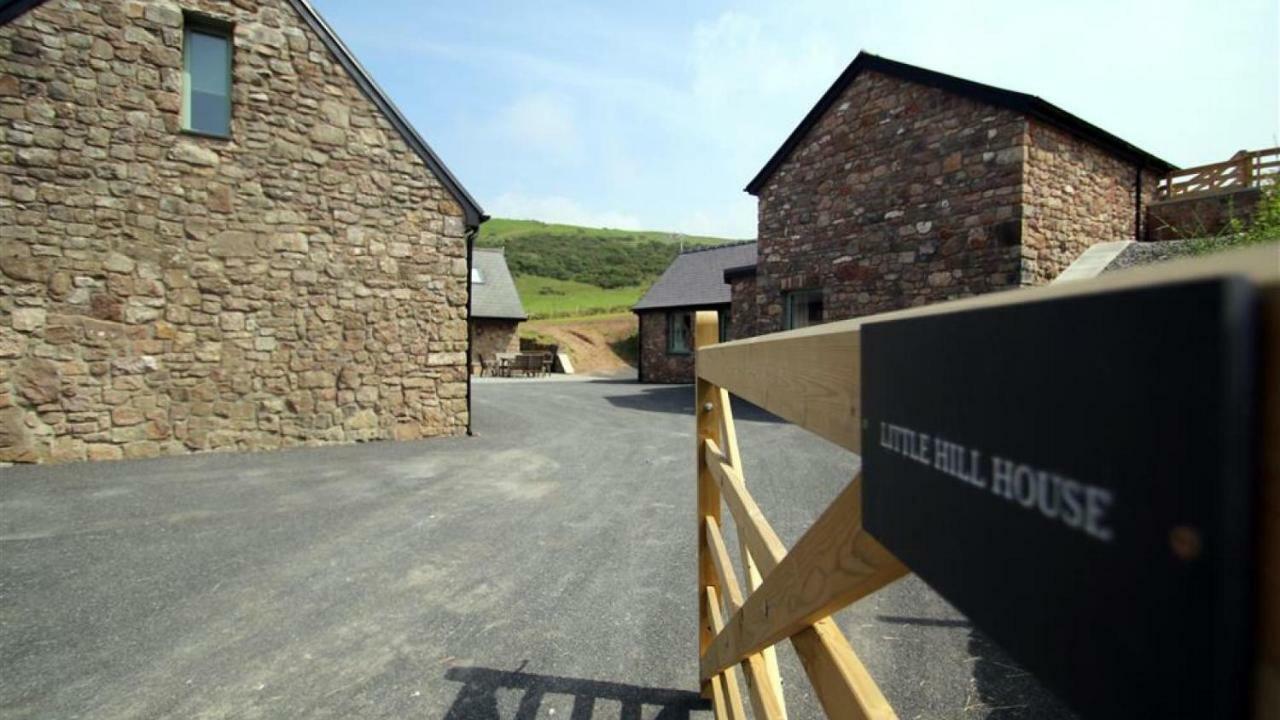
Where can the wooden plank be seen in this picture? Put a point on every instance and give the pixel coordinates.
(835, 563)
(772, 678)
(841, 682)
(728, 430)
(725, 573)
(752, 527)
(810, 376)
(843, 685)
(727, 680)
(765, 690)
(708, 423)
(834, 670)
(718, 707)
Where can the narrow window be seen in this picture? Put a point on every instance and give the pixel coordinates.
(206, 78)
(679, 332)
(724, 317)
(803, 308)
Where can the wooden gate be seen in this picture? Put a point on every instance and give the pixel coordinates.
(810, 377)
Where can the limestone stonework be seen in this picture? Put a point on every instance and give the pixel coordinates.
(490, 336)
(657, 365)
(302, 282)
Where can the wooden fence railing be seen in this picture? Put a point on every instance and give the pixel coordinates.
(1243, 170)
(810, 377)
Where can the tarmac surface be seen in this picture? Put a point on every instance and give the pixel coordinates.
(544, 567)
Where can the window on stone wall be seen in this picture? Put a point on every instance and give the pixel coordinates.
(723, 317)
(679, 332)
(206, 76)
(802, 309)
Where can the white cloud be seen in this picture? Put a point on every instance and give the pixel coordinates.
(558, 209)
(544, 123)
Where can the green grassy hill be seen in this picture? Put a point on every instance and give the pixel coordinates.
(566, 270)
(551, 298)
(498, 229)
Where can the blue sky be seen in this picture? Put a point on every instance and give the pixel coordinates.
(655, 115)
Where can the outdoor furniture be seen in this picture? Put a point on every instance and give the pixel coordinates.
(506, 361)
(528, 364)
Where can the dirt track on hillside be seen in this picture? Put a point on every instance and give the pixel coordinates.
(594, 343)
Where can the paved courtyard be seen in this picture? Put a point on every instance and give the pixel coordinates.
(542, 568)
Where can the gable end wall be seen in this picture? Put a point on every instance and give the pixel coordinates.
(901, 195)
(301, 283)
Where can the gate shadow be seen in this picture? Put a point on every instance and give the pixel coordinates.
(478, 697)
(679, 400)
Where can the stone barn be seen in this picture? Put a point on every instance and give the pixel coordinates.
(217, 233)
(693, 281)
(496, 310)
(904, 186)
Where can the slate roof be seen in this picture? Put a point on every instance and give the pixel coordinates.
(10, 9)
(696, 277)
(496, 297)
(1029, 105)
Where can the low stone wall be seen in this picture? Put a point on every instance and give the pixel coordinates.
(656, 364)
(490, 336)
(1202, 216)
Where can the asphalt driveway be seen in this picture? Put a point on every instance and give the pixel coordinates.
(544, 567)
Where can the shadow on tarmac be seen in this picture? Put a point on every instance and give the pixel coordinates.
(478, 697)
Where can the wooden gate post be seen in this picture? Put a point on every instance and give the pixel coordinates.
(706, 410)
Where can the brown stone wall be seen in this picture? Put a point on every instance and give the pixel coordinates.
(301, 283)
(1200, 216)
(1076, 195)
(490, 336)
(656, 364)
(901, 195)
(743, 313)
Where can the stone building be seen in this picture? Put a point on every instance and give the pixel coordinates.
(694, 281)
(904, 186)
(217, 233)
(496, 311)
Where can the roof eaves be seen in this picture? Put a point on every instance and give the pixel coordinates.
(989, 94)
(638, 308)
(474, 215)
(14, 8)
(742, 271)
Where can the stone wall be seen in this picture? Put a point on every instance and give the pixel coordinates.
(656, 364)
(901, 195)
(490, 336)
(743, 312)
(303, 282)
(1075, 195)
(1200, 216)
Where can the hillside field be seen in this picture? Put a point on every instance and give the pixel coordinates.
(567, 270)
(495, 230)
(551, 298)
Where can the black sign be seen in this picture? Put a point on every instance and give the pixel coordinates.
(1077, 477)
